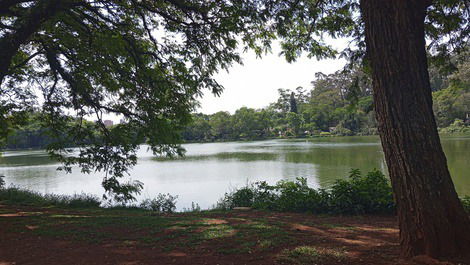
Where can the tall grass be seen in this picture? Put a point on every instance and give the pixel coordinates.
(18, 196)
(163, 203)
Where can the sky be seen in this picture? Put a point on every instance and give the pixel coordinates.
(255, 83)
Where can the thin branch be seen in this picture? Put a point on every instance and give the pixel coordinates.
(23, 63)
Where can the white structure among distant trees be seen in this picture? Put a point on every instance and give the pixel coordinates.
(108, 123)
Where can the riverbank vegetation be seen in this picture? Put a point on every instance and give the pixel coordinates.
(18, 196)
(12, 195)
(359, 194)
(356, 195)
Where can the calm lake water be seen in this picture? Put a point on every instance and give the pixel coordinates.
(211, 169)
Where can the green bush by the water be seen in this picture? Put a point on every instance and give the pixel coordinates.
(356, 195)
(359, 194)
(362, 194)
(458, 126)
(15, 195)
(163, 203)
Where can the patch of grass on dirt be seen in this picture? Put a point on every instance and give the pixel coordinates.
(178, 231)
(217, 231)
(254, 237)
(310, 255)
(328, 225)
(98, 228)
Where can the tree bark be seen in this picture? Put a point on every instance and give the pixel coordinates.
(431, 218)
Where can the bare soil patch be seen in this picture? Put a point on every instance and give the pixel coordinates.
(33, 235)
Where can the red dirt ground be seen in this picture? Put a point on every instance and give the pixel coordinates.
(365, 239)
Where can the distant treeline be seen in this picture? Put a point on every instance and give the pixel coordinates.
(32, 134)
(338, 104)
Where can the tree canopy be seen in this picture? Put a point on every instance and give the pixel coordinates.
(144, 61)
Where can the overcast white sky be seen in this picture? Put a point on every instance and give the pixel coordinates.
(254, 84)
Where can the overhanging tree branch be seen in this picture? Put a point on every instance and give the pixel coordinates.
(26, 26)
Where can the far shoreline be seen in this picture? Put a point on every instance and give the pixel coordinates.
(444, 135)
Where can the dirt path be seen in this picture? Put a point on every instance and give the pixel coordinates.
(31, 235)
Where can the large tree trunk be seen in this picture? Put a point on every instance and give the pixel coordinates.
(431, 218)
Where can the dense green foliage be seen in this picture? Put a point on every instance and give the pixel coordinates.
(163, 203)
(14, 195)
(451, 96)
(356, 195)
(458, 126)
(33, 133)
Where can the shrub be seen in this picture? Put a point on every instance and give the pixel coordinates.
(243, 197)
(362, 194)
(164, 203)
(289, 196)
(26, 197)
(83, 201)
(356, 195)
(458, 126)
(343, 131)
(292, 195)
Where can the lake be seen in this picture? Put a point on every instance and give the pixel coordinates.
(209, 170)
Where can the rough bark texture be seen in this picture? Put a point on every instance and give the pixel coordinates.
(431, 218)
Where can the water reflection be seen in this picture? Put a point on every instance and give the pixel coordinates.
(25, 158)
(210, 170)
